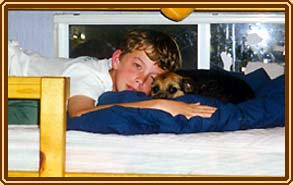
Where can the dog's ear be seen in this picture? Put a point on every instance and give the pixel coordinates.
(186, 85)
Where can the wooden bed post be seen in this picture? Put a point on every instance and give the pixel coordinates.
(54, 93)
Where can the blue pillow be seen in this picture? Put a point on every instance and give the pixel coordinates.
(275, 86)
(134, 96)
(126, 96)
(257, 79)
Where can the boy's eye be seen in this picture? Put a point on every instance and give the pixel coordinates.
(152, 78)
(138, 66)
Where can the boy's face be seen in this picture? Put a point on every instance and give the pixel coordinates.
(133, 71)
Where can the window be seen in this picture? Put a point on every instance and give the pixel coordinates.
(207, 39)
(101, 40)
(245, 42)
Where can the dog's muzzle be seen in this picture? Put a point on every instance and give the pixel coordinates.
(161, 95)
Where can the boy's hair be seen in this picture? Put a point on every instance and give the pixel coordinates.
(158, 46)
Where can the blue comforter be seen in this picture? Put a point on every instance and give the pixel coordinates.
(266, 110)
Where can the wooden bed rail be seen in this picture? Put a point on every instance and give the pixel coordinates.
(53, 93)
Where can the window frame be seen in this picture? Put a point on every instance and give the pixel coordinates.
(203, 20)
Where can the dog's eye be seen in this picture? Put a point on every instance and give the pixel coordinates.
(173, 90)
(155, 89)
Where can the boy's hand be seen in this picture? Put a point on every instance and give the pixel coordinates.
(188, 110)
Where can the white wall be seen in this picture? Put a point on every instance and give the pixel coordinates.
(33, 29)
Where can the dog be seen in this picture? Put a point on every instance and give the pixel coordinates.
(170, 85)
(209, 83)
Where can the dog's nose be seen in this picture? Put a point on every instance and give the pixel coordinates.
(160, 95)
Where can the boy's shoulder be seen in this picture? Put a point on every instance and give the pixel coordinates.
(89, 66)
(91, 61)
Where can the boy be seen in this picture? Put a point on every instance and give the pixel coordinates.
(133, 66)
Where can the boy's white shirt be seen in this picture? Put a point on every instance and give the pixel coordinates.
(88, 76)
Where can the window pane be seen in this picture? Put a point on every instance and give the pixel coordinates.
(246, 42)
(100, 40)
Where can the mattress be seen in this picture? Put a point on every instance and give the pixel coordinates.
(255, 152)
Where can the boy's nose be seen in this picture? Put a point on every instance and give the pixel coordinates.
(140, 79)
(142, 85)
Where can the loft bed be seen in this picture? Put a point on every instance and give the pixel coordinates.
(254, 152)
(34, 151)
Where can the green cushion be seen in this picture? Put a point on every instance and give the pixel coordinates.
(23, 112)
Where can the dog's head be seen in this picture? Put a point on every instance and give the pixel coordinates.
(170, 85)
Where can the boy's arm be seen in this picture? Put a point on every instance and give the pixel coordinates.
(175, 107)
(78, 105)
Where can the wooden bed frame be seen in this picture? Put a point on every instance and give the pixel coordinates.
(53, 93)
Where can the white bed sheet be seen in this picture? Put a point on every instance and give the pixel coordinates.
(257, 152)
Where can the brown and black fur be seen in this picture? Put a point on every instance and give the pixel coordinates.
(208, 83)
